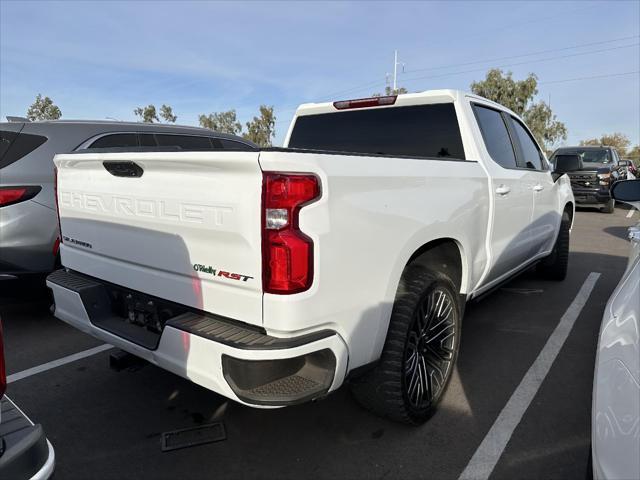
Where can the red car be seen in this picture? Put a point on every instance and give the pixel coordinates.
(25, 452)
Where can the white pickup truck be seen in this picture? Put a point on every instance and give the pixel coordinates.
(273, 276)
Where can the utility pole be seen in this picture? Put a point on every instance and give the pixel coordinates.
(395, 70)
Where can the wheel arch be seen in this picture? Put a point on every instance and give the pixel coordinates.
(429, 252)
(444, 254)
(571, 210)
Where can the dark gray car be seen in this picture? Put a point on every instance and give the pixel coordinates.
(28, 222)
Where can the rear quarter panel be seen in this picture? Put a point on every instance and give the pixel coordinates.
(374, 213)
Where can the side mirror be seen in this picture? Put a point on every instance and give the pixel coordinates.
(626, 191)
(566, 163)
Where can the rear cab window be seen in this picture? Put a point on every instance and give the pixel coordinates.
(430, 131)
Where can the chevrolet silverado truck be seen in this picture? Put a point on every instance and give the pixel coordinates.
(592, 180)
(273, 276)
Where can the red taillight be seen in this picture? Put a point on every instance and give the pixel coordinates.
(287, 253)
(365, 102)
(11, 195)
(56, 247)
(3, 373)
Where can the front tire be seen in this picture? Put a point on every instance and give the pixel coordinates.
(609, 207)
(420, 350)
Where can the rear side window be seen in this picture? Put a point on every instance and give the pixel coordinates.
(147, 140)
(420, 131)
(6, 139)
(185, 142)
(116, 140)
(496, 136)
(14, 146)
(232, 145)
(531, 155)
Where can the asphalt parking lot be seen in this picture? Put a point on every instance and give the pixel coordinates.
(107, 424)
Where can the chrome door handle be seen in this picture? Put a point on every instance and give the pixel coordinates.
(538, 188)
(502, 190)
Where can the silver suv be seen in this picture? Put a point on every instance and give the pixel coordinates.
(28, 222)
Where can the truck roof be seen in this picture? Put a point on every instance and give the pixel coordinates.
(405, 99)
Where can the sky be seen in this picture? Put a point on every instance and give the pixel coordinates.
(102, 59)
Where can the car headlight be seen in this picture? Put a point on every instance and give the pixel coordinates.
(604, 178)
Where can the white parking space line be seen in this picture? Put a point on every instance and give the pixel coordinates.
(488, 453)
(630, 214)
(57, 363)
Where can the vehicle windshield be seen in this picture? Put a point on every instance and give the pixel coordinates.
(588, 155)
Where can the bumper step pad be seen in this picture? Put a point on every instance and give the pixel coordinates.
(219, 329)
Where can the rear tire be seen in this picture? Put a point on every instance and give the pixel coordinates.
(609, 207)
(555, 266)
(420, 350)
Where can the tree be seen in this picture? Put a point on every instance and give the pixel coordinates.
(634, 154)
(43, 109)
(518, 96)
(389, 91)
(617, 140)
(166, 112)
(223, 122)
(543, 124)
(149, 114)
(261, 129)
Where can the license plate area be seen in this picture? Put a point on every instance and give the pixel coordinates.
(132, 315)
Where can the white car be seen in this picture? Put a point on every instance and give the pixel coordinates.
(271, 276)
(616, 389)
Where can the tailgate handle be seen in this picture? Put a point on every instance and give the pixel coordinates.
(123, 169)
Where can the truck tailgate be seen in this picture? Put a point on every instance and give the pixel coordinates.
(184, 226)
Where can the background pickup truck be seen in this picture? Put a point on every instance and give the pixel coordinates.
(599, 169)
(271, 276)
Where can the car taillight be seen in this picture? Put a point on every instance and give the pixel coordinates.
(287, 253)
(3, 373)
(11, 195)
(56, 246)
(365, 102)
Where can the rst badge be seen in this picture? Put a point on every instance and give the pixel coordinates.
(220, 273)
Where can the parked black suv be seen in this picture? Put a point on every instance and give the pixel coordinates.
(592, 183)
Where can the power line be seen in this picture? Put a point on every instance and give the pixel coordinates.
(589, 78)
(377, 83)
(522, 63)
(524, 54)
(547, 82)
